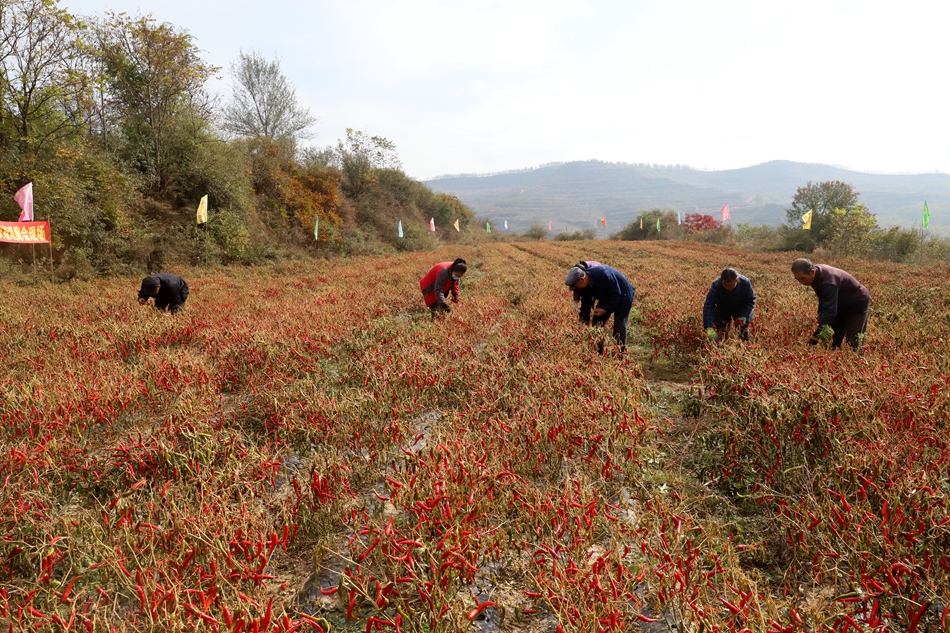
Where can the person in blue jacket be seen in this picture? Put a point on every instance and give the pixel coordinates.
(730, 299)
(612, 293)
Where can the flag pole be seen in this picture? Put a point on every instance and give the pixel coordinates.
(52, 275)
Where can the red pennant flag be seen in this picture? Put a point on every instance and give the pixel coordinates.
(725, 212)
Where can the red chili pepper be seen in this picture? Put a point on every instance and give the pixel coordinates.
(474, 612)
(65, 597)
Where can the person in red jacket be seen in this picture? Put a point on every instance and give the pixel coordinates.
(440, 281)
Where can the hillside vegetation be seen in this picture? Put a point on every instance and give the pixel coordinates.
(111, 120)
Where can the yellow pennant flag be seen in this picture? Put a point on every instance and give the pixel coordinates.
(457, 226)
(203, 210)
(806, 221)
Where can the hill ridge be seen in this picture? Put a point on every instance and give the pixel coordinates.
(577, 194)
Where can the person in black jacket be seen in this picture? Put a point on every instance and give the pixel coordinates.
(842, 303)
(730, 298)
(612, 293)
(170, 292)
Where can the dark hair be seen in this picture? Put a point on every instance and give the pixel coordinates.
(582, 265)
(802, 265)
(150, 284)
(729, 274)
(459, 266)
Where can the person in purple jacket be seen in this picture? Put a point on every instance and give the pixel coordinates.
(842, 303)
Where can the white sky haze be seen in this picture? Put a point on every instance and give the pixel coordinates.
(483, 86)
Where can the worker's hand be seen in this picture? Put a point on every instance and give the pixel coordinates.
(599, 312)
(741, 321)
(813, 341)
(711, 334)
(142, 301)
(455, 299)
(825, 333)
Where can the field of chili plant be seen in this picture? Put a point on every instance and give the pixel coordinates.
(305, 450)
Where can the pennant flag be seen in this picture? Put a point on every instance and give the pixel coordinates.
(432, 224)
(400, 229)
(316, 229)
(202, 214)
(658, 225)
(549, 225)
(806, 221)
(487, 227)
(506, 225)
(457, 226)
(725, 212)
(603, 222)
(641, 222)
(925, 222)
(24, 198)
(679, 220)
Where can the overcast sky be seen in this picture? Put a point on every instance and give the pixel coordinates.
(484, 85)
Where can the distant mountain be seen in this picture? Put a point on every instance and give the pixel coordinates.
(576, 195)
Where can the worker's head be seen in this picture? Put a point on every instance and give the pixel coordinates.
(804, 271)
(729, 278)
(576, 278)
(150, 285)
(458, 268)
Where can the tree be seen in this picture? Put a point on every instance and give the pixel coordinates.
(821, 199)
(849, 232)
(697, 222)
(156, 82)
(358, 158)
(43, 88)
(264, 103)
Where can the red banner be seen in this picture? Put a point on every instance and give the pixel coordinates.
(24, 232)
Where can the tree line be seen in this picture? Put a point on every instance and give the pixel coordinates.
(112, 120)
(840, 224)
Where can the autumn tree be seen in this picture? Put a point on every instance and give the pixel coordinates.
(698, 222)
(264, 103)
(156, 80)
(849, 231)
(820, 198)
(43, 86)
(359, 156)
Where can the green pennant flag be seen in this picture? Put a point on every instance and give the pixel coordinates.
(487, 227)
(316, 229)
(658, 225)
(925, 222)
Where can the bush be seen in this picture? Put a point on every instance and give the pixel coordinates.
(583, 234)
(535, 232)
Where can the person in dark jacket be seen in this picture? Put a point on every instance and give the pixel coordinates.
(584, 265)
(170, 292)
(441, 280)
(612, 293)
(842, 303)
(730, 299)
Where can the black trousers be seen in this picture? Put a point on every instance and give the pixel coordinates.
(620, 325)
(850, 325)
(723, 321)
(439, 309)
(174, 306)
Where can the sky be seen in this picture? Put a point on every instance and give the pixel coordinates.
(481, 86)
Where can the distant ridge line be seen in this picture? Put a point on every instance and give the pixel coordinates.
(677, 166)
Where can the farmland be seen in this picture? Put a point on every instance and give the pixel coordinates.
(303, 449)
